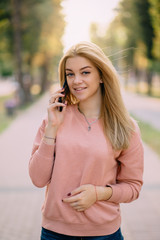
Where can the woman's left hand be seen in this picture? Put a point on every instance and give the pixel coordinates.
(82, 197)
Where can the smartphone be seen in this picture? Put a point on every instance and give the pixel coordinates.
(65, 92)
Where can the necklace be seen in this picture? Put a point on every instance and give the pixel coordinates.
(89, 124)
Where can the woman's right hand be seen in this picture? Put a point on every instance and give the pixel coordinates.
(55, 117)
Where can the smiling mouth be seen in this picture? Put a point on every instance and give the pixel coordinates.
(79, 89)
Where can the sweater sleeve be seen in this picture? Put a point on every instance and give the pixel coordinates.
(130, 175)
(42, 159)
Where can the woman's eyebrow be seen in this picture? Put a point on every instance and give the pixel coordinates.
(67, 69)
(85, 67)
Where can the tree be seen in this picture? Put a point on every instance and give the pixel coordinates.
(138, 22)
(17, 42)
(6, 51)
(155, 19)
(33, 31)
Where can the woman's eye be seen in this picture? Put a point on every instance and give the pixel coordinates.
(69, 74)
(85, 73)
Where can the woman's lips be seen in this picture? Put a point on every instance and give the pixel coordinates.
(79, 89)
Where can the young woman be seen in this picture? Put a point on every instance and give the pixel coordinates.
(89, 153)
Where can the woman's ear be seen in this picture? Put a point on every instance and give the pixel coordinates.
(100, 81)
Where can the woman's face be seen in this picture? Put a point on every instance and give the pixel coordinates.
(83, 78)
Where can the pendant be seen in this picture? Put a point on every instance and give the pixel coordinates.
(89, 128)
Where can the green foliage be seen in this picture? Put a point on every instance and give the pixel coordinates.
(135, 26)
(5, 30)
(40, 28)
(155, 18)
(133, 39)
(146, 33)
(150, 135)
(136, 18)
(4, 119)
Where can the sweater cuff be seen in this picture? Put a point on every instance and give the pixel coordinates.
(46, 150)
(116, 193)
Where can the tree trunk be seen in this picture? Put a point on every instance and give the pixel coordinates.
(44, 79)
(149, 81)
(16, 23)
(137, 79)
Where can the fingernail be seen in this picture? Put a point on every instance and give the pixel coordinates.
(69, 194)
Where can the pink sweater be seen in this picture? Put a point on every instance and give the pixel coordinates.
(83, 157)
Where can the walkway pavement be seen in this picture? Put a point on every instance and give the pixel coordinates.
(20, 201)
(145, 108)
(141, 218)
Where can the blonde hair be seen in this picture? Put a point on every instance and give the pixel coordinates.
(117, 123)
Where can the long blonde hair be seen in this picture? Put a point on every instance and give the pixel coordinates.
(117, 123)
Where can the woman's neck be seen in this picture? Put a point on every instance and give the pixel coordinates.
(91, 109)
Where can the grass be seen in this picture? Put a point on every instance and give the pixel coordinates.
(6, 120)
(150, 135)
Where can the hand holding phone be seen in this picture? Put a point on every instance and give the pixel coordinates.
(62, 99)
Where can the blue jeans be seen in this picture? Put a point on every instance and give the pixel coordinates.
(49, 235)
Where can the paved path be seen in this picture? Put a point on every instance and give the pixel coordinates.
(145, 108)
(20, 201)
(141, 218)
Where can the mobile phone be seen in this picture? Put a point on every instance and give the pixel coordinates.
(65, 92)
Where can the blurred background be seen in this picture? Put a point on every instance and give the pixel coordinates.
(34, 34)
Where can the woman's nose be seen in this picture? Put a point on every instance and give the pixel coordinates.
(77, 79)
